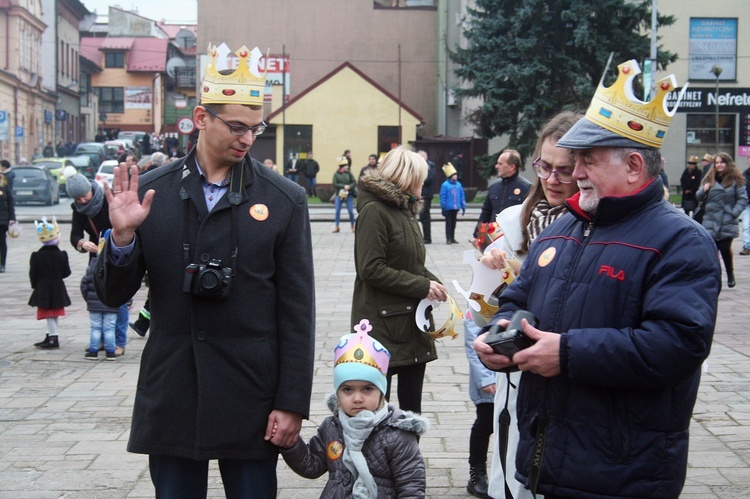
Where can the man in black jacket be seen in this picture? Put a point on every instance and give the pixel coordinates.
(428, 192)
(227, 371)
(311, 174)
(508, 190)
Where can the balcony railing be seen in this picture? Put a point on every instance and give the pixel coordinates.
(184, 77)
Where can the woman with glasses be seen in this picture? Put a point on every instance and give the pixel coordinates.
(545, 204)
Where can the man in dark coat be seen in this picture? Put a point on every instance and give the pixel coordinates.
(292, 168)
(508, 190)
(311, 174)
(608, 389)
(690, 182)
(227, 370)
(428, 192)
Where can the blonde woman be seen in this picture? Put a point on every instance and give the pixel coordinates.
(389, 256)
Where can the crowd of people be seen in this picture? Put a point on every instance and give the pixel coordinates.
(586, 407)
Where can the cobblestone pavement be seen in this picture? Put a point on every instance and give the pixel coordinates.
(64, 421)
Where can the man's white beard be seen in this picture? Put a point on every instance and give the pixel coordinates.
(589, 199)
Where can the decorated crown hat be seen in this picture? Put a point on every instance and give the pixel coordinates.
(693, 160)
(47, 233)
(708, 157)
(342, 161)
(361, 357)
(617, 118)
(449, 169)
(245, 85)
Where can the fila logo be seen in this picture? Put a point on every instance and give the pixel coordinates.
(610, 272)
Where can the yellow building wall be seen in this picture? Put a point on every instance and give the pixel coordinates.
(349, 119)
(120, 77)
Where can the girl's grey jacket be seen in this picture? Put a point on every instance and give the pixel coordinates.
(391, 450)
(723, 209)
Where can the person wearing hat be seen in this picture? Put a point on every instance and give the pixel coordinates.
(609, 385)
(368, 448)
(452, 199)
(47, 268)
(706, 163)
(227, 370)
(91, 217)
(690, 182)
(344, 187)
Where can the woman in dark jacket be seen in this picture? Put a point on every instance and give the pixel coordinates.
(726, 198)
(7, 215)
(389, 255)
(91, 216)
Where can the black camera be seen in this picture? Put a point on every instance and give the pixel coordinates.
(512, 339)
(210, 280)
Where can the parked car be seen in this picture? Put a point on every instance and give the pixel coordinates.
(55, 167)
(135, 137)
(35, 184)
(106, 172)
(95, 150)
(85, 165)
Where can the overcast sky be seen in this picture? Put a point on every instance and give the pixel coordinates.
(175, 11)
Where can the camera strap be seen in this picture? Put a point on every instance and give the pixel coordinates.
(540, 444)
(504, 426)
(234, 196)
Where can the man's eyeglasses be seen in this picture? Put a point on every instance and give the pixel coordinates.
(240, 130)
(544, 171)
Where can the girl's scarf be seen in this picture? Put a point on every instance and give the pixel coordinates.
(92, 208)
(541, 217)
(356, 431)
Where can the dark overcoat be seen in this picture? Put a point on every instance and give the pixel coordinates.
(389, 255)
(47, 269)
(214, 368)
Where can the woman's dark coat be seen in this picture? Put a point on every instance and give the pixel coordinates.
(724, 205)
(389, 255)
(47, 269)
(214, 368)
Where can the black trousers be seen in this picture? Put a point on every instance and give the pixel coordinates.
(181, 478)
(426, 220)
(410, 381)
(450, 225)
(481, 431)
(725, 248)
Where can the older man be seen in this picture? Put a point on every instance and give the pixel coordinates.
(510, 188)
(608, 388)
(227, 371)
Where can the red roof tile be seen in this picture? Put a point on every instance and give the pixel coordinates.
(117, 43)
(148, 54)
(89, 50)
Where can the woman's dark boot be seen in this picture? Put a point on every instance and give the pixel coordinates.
(478, 484)
(730, 280)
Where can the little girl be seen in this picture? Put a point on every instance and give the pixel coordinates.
(369, 449)
(47, 269)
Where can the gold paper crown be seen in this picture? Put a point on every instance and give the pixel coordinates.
(449, 169)
(46, 231)
(618, 110)
(244, 86)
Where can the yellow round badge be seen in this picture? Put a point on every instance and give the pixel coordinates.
(334, 450)
(259, 212)
(517, 191)
(546, 257)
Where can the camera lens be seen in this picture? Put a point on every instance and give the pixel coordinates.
(210, 280)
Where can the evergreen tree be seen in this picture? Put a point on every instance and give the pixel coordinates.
(530, 59)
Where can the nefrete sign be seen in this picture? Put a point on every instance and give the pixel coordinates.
(703, 100)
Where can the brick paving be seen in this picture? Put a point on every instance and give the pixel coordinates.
(64, 421)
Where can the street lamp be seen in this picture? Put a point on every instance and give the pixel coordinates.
(716, 70)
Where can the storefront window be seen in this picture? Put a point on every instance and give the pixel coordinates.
(701, 134)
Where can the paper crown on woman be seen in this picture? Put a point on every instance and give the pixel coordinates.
(342, 161)
(362, 358)
(244, 86)
(47, 233)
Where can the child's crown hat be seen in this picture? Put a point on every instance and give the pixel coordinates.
(361, 357)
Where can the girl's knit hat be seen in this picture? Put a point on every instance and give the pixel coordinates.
(362, 358)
